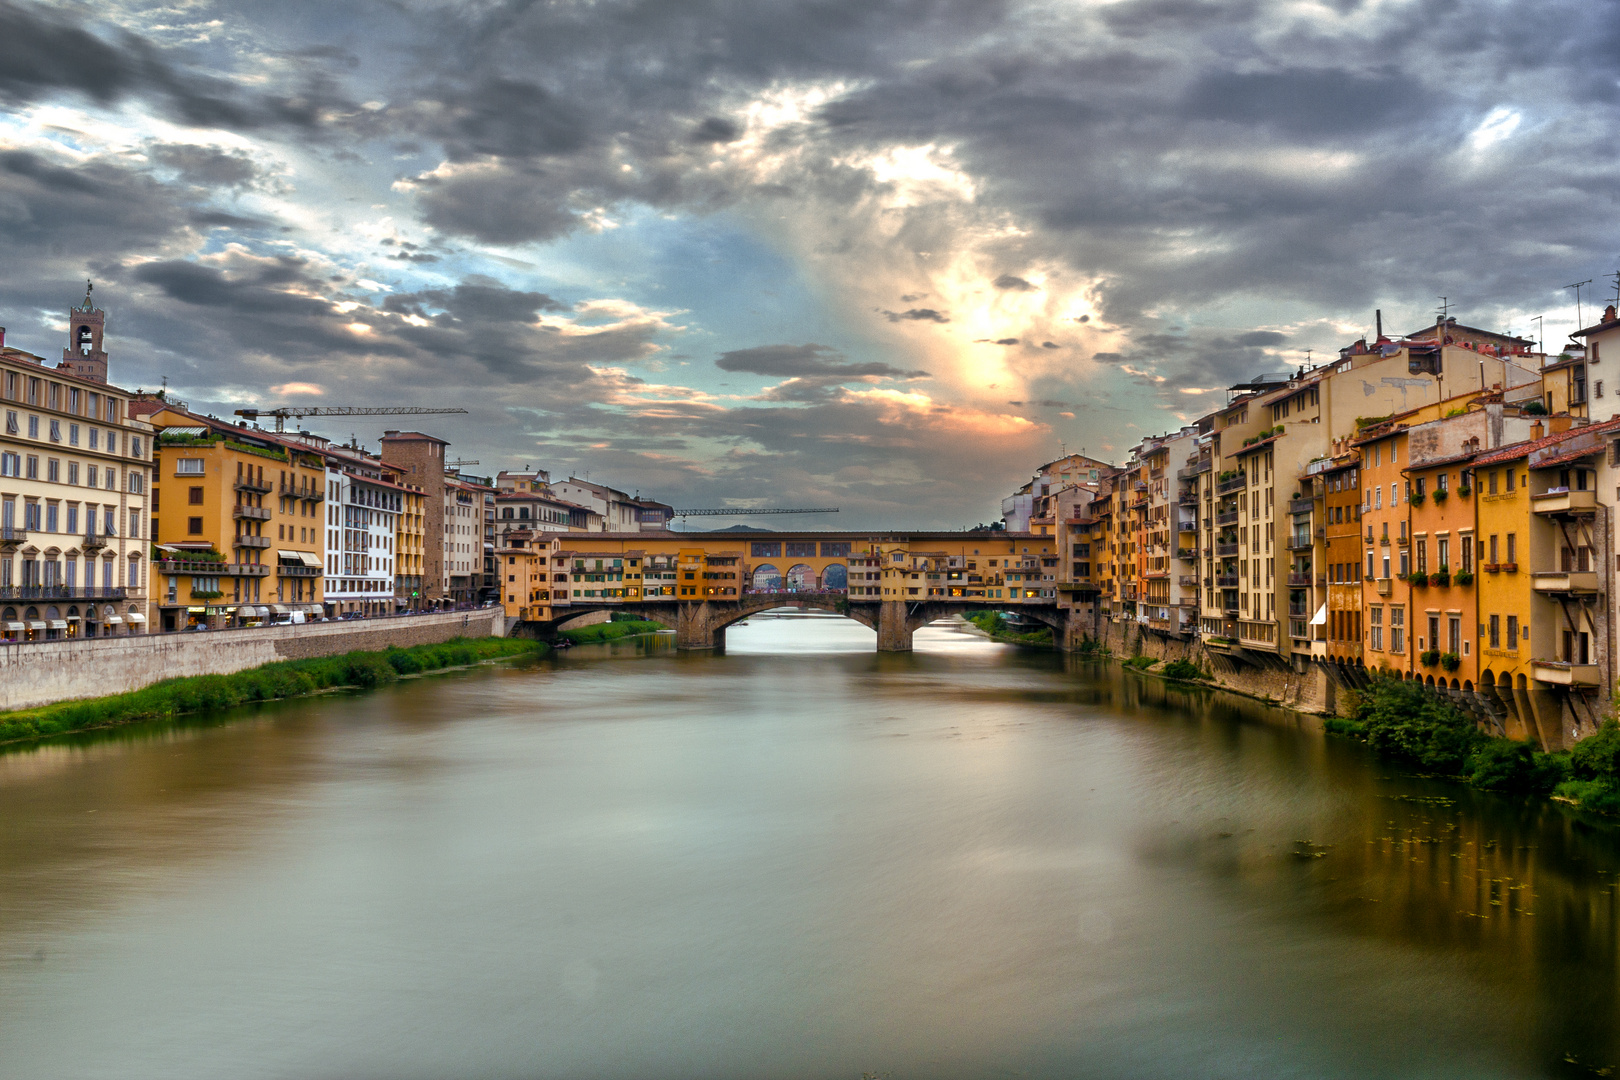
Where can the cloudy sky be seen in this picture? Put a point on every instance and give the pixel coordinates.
(886, 255)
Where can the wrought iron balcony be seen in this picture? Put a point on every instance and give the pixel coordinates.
(251, 513)
(12, 534)
(246, 541)
(313, 494)
(258, 487)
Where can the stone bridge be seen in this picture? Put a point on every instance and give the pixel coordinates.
(701, 624)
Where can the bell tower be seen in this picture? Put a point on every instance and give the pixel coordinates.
(84, 355)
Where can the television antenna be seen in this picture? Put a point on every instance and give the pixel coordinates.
(1579, 321)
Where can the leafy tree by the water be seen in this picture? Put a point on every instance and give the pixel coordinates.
(1405, 720)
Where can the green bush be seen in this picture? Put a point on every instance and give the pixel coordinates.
(1140, 663)
(1597, 757)
(1598, 795)
(1407, 722)
(1505, 765)
(1184, 671)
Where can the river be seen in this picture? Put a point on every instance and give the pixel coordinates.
(797, 859)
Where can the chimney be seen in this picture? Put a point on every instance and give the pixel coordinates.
(1378, 316)
(1536, 430)
(1608, 316)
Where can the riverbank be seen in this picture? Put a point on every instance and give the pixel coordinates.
(269, 682)
(993, 626)
(611, 631)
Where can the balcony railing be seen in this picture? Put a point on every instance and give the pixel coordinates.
(61, 592)
(251, 513)
(1236, 483)
(1187, 581)
(1300, 506)
(12, 534)
(246, 541)
(1564, 501)
(1299, 581)
(1300, 543)
(1564, 673)
(1564, 581)
(258, 487)
(1226, 581)
(313, 494)
(1224, 550)
(1229, 517)
(93, 541)
(290, 570)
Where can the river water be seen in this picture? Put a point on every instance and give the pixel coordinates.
(798, 859)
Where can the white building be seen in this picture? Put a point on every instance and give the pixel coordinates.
(362, 517)
(617, 512)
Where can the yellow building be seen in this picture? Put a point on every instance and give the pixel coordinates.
(524, 561)
(236, 516)
(1544, 567)
(410, 546)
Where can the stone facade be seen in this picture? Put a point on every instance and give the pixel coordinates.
(38, 674)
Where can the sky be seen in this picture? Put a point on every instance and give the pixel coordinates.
(884, 255)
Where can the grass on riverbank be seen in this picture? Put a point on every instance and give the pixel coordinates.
(283, 679)
(1409, 723)
(992, 623)
(610, 631)
(1174, 670)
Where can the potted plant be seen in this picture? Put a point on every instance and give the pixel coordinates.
(1429, 657)
(1440, 577)
(1416, 498)
(1464, 490)
(1462, 577)
(1440, 495)
(1450, 661)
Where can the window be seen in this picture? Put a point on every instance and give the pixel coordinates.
(53, 470)
(1375, 627)
(52, 516)
(1513, 548)
(12, 429)
(109, 521)
(33, 467)
(194, 496)
(194, 526)
(134, 447)
(56, 431)
(73, 472)
(1496, 632)
(33, 427)
(135, 481)
(1442, 551)
(1513, 632)
(188, 467)
(1397, 629)
(1509, 479)
(92, 475)
(10, 465)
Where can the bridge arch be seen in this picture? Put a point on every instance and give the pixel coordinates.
(801, 576)
(765, 577)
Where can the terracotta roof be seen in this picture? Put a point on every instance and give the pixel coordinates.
(1518, 450)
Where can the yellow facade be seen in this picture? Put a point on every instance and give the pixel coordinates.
(232, 512)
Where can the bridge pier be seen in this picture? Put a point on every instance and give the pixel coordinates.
(893, 628)
(698, 627)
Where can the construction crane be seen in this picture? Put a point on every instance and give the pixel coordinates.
(461, 463)
(733, 511)
(300, 411)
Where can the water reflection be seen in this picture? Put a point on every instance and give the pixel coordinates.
(799, 858)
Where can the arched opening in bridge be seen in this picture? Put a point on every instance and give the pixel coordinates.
(836, 578)
(801, 578)
(767, 578)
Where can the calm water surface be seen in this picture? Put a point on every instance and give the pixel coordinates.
(799, 859)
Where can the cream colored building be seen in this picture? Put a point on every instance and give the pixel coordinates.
(74, 477)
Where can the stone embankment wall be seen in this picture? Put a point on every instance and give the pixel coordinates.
(1316, 690)
(43, 672)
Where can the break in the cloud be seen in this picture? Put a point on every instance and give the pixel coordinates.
(552, 214)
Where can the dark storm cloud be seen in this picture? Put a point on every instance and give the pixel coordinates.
(917, 315)
(1014, 283)
(43, 53)
(808, 361)
(206, 165)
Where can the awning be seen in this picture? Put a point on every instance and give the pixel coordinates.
(279, 609)
(35, 624)
(13, 627)
(311, 559)
(247, 612)
(113, 619)
(289, 557)
(1320, 618)
(58, 624)
(136, 616)
(314, 609)
(72, 618)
